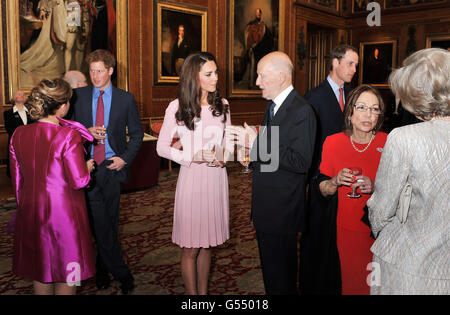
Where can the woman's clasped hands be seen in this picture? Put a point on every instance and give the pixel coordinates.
(346, 178)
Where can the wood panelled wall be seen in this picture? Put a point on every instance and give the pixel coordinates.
(153, 99)
(395, 25)
(426, 20)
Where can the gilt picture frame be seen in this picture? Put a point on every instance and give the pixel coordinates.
(252, 34)
(378, 58)
(22, 70)
(180, 31)
(438, 41)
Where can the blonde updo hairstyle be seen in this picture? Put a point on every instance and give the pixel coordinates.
(47, 97)
(423, 83)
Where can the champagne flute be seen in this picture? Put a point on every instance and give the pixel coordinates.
(246, 169)
(102, 141)
(355, 171)
(211, 147)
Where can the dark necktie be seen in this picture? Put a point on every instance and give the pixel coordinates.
(99, 148)
(341, 99)
(272, 110)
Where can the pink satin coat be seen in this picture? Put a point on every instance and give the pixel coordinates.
(52, 239)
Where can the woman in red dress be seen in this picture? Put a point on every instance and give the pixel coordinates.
(359, 146)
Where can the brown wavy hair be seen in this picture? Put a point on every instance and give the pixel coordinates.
(102, 55)
(350, 107)
(47, 97)
(190, 92)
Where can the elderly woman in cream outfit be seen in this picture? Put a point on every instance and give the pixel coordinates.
(412, 249)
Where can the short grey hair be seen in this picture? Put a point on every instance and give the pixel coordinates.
(423, 83)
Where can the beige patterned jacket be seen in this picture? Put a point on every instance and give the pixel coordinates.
(420, 155)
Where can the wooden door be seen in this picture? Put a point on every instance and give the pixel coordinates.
(320, 44)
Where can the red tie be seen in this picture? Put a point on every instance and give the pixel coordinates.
(99, 149)
(341, 99)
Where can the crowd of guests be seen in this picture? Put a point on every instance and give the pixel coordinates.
(371, 208)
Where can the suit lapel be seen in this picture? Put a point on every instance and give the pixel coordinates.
(88, 100)
(114, 110)
(282, 111)
(279, 116)
(18, 119)
(332, 96)
(347, 91)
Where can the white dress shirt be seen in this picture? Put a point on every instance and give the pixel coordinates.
(281, 97)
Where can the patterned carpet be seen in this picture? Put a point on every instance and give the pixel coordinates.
(145, 234)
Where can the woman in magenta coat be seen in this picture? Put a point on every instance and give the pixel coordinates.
(52, 239)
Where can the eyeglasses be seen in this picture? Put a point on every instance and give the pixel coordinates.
(364, 108)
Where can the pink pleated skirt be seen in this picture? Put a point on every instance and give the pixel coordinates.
(201, 214)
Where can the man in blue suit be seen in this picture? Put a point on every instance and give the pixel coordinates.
(108, 112)
(318, 239)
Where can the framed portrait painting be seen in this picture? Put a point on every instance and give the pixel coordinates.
(46, 38)
(377, 60)
(181, 30)
(439, 41)
(255, 29)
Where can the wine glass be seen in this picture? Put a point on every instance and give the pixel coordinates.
(102, 141)
(246, 169)
(355, 171)
(211, 147)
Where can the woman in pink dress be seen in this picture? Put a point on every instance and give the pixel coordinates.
(201, 217)
(52, 239)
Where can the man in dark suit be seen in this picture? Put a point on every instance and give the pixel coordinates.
(15, 117)
(281, 156)
(328, 100)
(108, 112)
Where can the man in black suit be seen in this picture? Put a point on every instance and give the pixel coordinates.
(281, 156)
(107, 112)
(15, 117)
(328, 100)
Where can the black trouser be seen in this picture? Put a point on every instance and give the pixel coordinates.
(278, 254)
(104, 204)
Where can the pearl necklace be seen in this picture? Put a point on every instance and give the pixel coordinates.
(361, 151)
